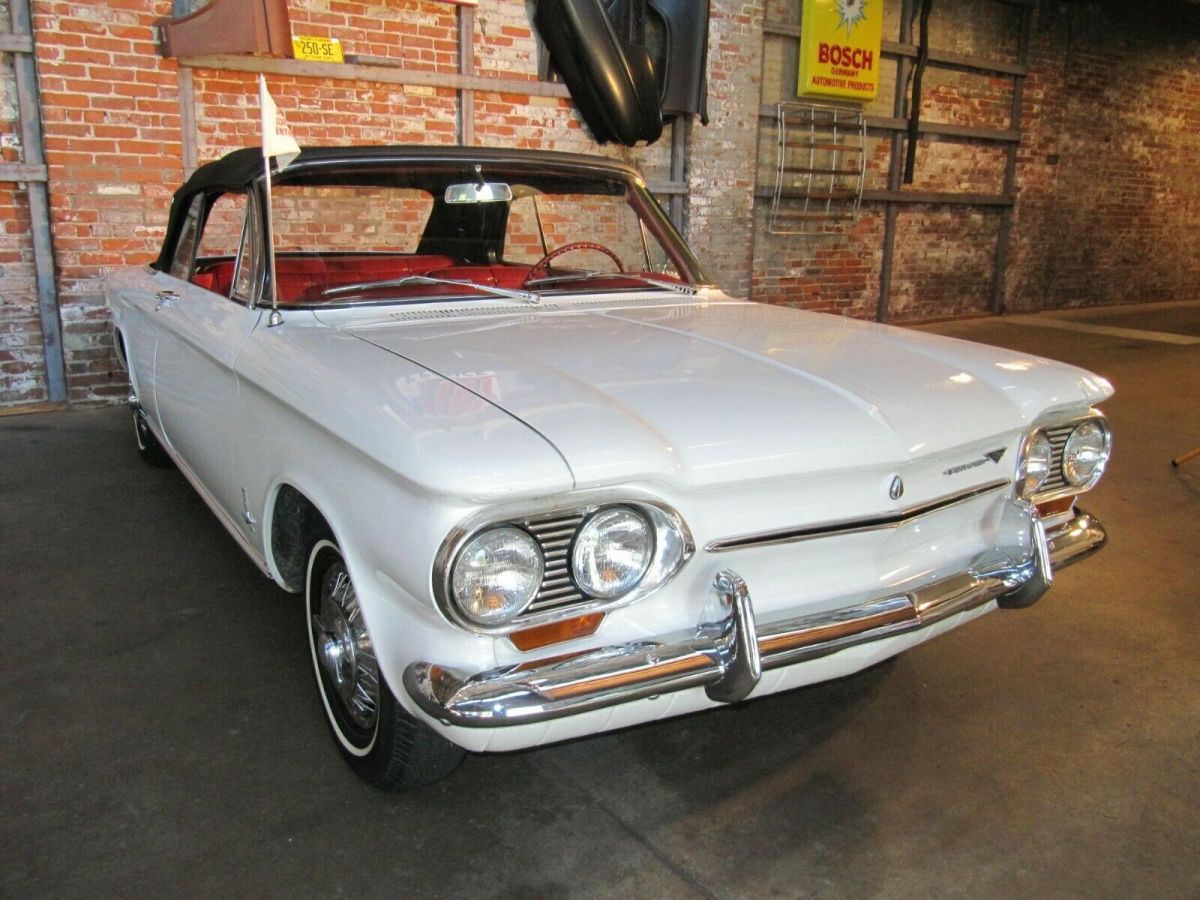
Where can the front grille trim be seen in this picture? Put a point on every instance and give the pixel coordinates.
(1056, 485)
(554, 535)
(1058, 435)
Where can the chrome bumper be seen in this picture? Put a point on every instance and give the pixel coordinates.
(728, 652)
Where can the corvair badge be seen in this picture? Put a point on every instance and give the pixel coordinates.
(992, 455)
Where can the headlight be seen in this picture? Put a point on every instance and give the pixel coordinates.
(1035, 467)
(496, 575)
(1086, 453)
(612, 552)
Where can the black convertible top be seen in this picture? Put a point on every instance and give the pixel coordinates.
(239, 170)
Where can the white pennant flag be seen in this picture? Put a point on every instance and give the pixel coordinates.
(277, 138)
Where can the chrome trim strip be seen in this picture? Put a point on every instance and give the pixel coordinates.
(851, 526)
(718, 653)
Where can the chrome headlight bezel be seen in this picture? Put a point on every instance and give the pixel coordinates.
(672, 548)
(1060, 431)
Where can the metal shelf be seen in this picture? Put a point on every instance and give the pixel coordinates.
(820, 169)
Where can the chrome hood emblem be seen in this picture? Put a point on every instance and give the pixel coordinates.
(992, 455)
(896, 490)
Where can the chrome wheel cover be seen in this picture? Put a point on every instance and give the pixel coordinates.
(343, 649)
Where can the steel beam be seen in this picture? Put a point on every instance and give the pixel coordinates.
(1000, 270)
(32, 148)
(895, 170)
(377, 69)
(466, 68)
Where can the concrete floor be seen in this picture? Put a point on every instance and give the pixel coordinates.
(162, 736)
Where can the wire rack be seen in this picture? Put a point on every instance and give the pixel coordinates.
(822, 165)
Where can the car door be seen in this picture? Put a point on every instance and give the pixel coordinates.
(138, 297)
(204, 313)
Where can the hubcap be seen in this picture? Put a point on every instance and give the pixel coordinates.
(344, 648)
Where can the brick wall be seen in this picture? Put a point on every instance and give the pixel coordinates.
(1107, 191)
(1110, 166)
(1108, 195)
(942, 264)
(111, 122)
(721, 173)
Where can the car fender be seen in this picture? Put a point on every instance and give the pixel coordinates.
(404, 623)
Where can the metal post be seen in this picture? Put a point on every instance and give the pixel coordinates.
(678, 163)
(25, 69)
(466, 66)
(276, 317)
(1010, 166)
(187, 121)
(895, 170)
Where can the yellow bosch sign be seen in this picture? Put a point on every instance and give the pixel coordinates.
(839, 48)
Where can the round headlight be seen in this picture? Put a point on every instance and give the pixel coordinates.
(496, 575)
(1039, 456)
(612, 552)
(1086, 453)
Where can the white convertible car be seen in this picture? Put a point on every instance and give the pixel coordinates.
(538, 478)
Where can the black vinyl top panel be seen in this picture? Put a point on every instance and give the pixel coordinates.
(238, 171)
(431, 168)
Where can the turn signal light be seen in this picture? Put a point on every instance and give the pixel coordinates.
(556, 632)
(1050, 508)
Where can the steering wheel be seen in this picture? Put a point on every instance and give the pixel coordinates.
(542, 267)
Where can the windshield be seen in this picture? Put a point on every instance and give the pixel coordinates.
(456, 231)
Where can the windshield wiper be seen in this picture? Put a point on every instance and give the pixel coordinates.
(510, 293)
(633, 276)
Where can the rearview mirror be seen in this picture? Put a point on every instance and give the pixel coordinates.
(473, 192)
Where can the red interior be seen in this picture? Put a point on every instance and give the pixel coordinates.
(496, 276)
(303, 279)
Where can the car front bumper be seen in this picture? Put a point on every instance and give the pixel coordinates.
(729, 650)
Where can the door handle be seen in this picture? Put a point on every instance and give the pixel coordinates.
(165, 298)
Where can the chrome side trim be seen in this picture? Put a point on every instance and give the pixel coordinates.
(851, 526)
(727, 652)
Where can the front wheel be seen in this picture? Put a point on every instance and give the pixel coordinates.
(382, 742)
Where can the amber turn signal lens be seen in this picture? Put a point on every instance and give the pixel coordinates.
(556, 632)
(1055, 507)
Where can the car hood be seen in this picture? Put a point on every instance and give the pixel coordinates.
(705, 392)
